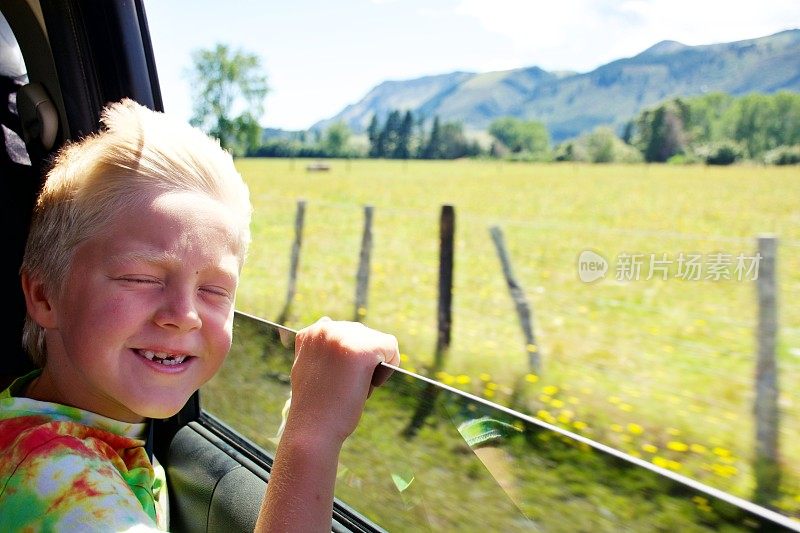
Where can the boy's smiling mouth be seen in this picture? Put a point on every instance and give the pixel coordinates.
(164, 358)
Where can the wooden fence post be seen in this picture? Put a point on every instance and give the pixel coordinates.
(299, 220)
(427, 400)
(766, 466)
(447, 223)
(520, 302)
(362, 276)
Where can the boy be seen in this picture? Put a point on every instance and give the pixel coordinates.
(130, 274)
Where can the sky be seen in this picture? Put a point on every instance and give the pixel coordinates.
(319, 56)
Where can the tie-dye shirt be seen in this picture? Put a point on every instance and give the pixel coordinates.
(65, 469)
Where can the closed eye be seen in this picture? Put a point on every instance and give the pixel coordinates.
(144, 280)
(216, 291)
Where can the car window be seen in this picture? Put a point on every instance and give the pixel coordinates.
(468, 463)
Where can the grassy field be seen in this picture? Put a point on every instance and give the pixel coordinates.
(662, 369)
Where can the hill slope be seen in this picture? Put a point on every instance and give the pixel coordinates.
(573, 103)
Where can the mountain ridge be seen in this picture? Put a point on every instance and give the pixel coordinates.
(572, 103)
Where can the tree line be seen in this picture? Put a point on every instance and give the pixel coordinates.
(716, 129)
(719, 128)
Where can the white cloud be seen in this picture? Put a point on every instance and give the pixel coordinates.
(581, 34)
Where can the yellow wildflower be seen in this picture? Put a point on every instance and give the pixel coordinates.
(722, 452)
(677, 446)
(724, 470)
(636, 429)
(649, 448)
(547, 417)
(660, 461)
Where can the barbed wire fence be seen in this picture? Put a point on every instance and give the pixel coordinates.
(765, 385)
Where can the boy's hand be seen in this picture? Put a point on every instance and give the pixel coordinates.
(335, 369)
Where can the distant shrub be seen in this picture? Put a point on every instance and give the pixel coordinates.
(783, 155)
(530, 157)
(683, 159)
(724, 152)
(600, 146)
(625, 153)
(571, 151)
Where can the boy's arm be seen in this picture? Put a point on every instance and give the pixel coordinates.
(332, 377)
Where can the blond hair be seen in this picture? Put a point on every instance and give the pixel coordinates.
(136, 153)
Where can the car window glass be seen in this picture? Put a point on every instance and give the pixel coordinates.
(468, 463)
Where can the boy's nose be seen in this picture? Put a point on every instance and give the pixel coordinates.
(179, 310)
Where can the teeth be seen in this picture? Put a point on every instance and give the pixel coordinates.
(164, 358)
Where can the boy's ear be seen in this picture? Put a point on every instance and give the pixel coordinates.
(37, 301)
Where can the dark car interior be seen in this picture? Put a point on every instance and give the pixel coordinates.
(62, 60)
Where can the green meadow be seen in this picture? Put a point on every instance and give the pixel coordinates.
(660, 368)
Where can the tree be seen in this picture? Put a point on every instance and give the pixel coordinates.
(452, 141)
(403, 148)
(229, 91)
(336, 138)
(660, 131)
(529, 136)
(389, 138)
(432, 148)
(601, 145)
(374, 133)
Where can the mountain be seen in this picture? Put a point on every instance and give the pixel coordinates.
(571, 103)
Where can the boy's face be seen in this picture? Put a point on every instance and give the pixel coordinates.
(146, 313)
